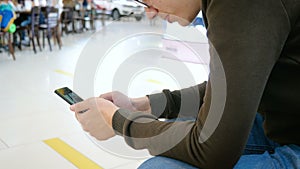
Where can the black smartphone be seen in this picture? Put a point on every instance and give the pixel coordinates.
(68, 95)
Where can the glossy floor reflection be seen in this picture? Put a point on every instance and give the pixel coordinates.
(31, 112)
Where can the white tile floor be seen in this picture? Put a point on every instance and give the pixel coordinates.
(31, 112)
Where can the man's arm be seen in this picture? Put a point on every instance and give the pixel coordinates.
(168, 104)
(246, 39)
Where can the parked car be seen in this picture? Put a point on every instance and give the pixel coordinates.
(120, 8)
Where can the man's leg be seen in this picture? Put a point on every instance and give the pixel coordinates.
(285, 157)
(258, 142)
(160, 162)
(260, 153)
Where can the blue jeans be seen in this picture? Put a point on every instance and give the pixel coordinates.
(259, 153)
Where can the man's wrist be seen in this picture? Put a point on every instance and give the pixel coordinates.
(142, 104)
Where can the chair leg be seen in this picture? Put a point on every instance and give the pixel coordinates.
(58, 39)
(28, 33)
(66, 29)
(31, 38)
(73, 27)
(54, 36)
(92, 22)
(49, 41)
(33, 45)
(20, 39)
(83, 24)
(43, 39)
(38, 39)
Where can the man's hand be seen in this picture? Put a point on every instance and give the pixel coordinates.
(181, 11)
(123, 101)
(95, 115)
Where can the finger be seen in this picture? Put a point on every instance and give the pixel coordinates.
(81, 106)
(82, 117)
(72, 107)
(107, 96)
(76, 115)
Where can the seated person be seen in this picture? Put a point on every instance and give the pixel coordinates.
(254, 67)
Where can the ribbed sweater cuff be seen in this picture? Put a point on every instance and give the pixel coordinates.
(119, 119)
(158, 103)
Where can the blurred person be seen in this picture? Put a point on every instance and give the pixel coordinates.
(13, 4)
(57, 4)
(254, 57)
(78, 4)
(23, 20)
(85, 4)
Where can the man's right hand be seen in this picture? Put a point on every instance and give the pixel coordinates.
(123, 101)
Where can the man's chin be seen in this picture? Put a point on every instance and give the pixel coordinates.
(184, 23)
(179, 20)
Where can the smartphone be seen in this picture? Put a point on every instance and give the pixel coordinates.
(68, 95)
(142, 3)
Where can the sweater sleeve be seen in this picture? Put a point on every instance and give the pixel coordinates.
(246, 39)
(168, 104)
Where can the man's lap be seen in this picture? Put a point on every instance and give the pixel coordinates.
(260, 152)
(287, 156)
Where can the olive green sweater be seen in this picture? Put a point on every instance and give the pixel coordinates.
(255, 67)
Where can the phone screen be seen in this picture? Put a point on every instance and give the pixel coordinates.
(68, 95)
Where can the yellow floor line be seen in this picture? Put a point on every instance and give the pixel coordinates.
(72, 155)
(64, 73)
(154, 81)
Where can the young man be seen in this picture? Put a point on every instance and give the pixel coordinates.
(255, 67)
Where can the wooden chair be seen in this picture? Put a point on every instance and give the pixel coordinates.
(66, 19)
(51, 27)
(101, 14)
(89, 16)
(82, 16)
(32, 29)
(77, 18)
